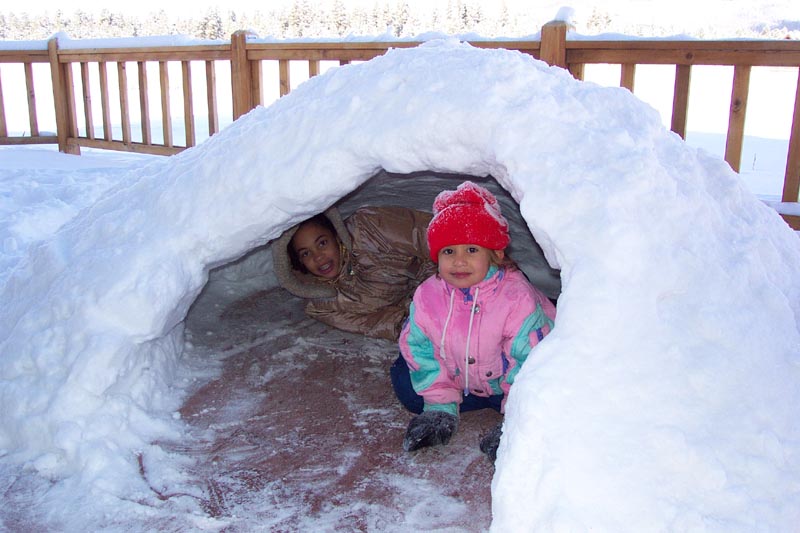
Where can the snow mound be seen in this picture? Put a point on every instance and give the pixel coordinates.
(666, 397)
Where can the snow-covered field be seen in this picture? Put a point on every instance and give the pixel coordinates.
(666, 397)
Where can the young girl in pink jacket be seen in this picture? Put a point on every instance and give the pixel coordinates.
(470, 326)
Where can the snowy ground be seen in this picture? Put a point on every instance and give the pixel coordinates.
(665, 398)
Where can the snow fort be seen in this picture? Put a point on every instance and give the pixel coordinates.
(666, 398)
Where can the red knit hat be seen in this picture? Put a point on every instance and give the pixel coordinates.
(468, 215)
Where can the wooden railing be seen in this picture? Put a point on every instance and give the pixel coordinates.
(72, 72)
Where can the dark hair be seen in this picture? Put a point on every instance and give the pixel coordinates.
(319, 220)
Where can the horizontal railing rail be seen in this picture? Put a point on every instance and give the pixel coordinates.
(123, 80)
(247, 92)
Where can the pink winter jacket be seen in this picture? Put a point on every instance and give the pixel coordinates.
(448, 359)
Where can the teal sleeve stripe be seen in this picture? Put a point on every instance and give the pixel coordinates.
(522, 344)
(451, 408)
(495, 385)
(421, 349)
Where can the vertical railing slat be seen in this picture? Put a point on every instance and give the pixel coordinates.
(627, 76)
(733, 144)
(32, 120)
(104, 104)
(680, 99)
(188, 105)
(211, 98)
(283, 75)
(166, 113)
(256, 96)
(71, 108)
(3, 125)
(124, 108)
(313, 68)
(87, 100)
(791, 180)
(144, 102)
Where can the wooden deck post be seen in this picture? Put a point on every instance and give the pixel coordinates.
(553, 48)
(61, 100)
(241, 75)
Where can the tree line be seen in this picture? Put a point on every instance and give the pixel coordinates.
(300, 19)
(335, 19)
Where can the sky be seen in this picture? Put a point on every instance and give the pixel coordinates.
(675, 349)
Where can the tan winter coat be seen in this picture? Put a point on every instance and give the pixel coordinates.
(387, 258)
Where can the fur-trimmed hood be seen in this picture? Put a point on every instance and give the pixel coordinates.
(386, 258)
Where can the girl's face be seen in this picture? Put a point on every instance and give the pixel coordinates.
(318, 250)
(465, 265)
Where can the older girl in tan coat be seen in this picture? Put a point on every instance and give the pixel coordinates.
(358, 275)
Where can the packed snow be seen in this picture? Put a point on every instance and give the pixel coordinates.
(666, 398)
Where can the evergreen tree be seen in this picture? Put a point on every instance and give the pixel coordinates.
(158, 24)
(339, 18)
(43, 27)
(376, 20)
(359, 21)
(503, 19)
(401, 18)
(20, 26)
(210, 27)
(598, 21)
(300, 19)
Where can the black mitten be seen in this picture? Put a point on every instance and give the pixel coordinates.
(491, 441)
(430, 428)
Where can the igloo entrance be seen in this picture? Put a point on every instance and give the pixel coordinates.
(305, 414)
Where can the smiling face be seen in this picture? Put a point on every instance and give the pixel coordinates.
(465, 265)
(318, 250)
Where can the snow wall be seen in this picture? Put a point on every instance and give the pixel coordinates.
(668, 391)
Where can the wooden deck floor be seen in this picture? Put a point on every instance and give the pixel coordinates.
(302, 432)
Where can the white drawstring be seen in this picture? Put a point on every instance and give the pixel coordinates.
(469, 334)
(447, 321)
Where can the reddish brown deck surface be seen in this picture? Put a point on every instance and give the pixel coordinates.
(302, 432)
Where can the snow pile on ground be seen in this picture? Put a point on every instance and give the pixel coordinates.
(41, 190)
(666, 397)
